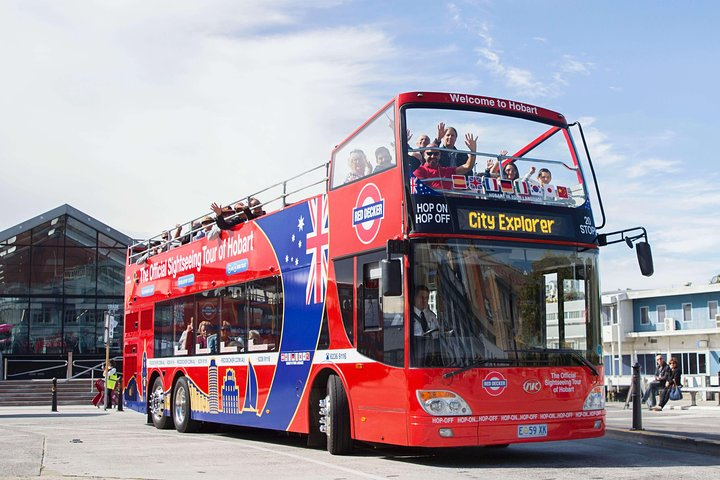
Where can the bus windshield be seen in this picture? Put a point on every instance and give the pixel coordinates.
(484, 304)
(516, 159)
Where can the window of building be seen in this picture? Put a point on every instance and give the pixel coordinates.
(647, 363)
(692, 363)
(712, 309)
(615, 367)
(644, 316)
(661, 313)
(687, 312)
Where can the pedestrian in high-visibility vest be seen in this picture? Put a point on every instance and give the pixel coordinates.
(111, 378)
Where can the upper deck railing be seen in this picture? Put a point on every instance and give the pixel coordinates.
(274, 197)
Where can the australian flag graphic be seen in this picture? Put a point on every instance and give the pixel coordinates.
(300, 236)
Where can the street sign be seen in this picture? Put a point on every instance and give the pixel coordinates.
(113, 324)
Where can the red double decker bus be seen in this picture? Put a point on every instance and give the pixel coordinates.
(424, 295)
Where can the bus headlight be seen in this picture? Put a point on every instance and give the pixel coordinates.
(595, 400)
(443, 403)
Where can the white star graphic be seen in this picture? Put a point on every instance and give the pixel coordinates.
(292, 239)
(296, 261)
(299, 243)
(301, 223)
(287, 259)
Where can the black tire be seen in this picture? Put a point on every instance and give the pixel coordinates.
(181, 408)
(156, 406)
(338, 418)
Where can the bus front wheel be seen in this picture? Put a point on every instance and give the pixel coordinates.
(157, 406)
(337, 417)
(181, 408)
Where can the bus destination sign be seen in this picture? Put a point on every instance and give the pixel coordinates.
(513, 223)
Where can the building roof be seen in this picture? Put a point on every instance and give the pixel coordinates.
(661, 292)
(65, 210)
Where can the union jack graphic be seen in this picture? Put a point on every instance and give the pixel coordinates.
(413, 185)
(475, 183)
(316, 244)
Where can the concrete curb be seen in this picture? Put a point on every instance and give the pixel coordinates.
(665, 440)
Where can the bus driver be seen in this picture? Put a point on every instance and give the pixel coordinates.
(426, 329)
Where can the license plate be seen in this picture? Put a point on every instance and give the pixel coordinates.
(532, 431)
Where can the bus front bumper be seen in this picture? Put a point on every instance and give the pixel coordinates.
(425, 431)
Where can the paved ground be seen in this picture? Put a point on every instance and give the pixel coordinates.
(84, 442)
(679, 425)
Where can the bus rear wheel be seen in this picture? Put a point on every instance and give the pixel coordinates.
(337, 417)
(181, 408)
(157, 406)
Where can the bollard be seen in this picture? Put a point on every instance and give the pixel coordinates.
(54, 395)
(636, 398)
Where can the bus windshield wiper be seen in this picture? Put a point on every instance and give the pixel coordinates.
(574, 354)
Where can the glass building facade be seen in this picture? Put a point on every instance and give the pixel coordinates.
(59, 273)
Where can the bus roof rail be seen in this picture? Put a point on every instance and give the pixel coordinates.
(281, 194)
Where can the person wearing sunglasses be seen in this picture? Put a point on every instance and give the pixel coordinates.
(674, 380)
(436, 175)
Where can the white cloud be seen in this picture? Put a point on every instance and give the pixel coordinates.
(570, 65)
(143, 122)
(677, 211)
(520, 80)
(651, 167)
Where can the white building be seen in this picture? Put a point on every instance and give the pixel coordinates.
(682, 322)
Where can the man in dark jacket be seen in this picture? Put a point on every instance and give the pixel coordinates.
(662, 374)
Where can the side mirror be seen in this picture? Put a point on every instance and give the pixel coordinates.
(391, 271)
(645, 260)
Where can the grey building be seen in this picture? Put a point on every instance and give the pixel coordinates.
(60, 272)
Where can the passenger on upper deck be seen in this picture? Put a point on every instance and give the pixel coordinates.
(383, 159)
(449, 137)
(544, 176)
(432, 169)
(255, 210)
(416, 158)
(510, 172)
(226, 218)
(207, 224)
(358, 165)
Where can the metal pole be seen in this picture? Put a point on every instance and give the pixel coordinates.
(107, 344)
(120, 394)
(54, 395)
(636, 398)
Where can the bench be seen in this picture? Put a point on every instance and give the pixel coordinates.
(693, 391)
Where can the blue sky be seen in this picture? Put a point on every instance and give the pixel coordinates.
(143, 113)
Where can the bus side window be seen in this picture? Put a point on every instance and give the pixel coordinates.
(369, 309)
(344, 279)
(265, 297)
(233, 330)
